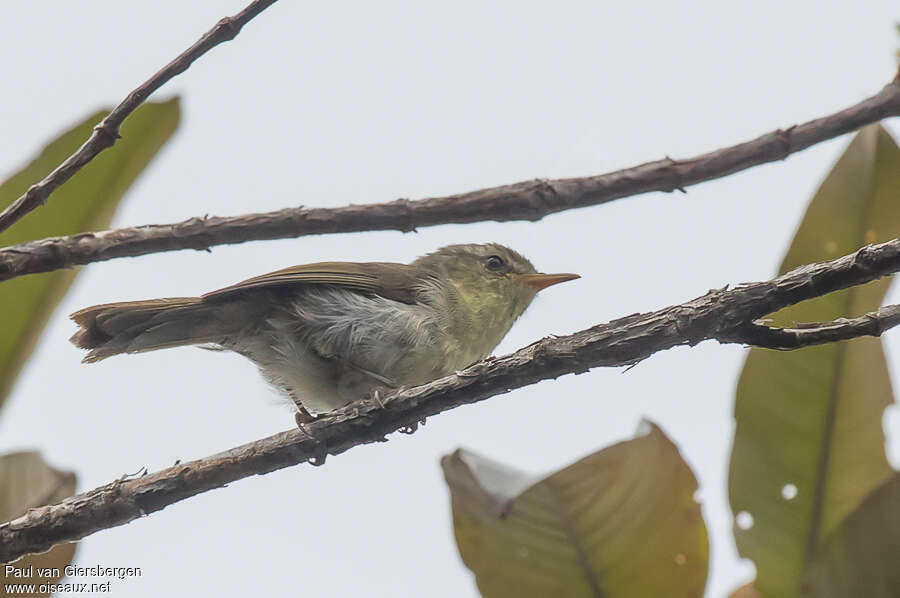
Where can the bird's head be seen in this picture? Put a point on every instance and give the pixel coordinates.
(494, 283)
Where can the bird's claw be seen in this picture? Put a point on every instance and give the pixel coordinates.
(318, 460)
(302, 417)
(411, 428)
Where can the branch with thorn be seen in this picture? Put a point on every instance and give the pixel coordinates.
(725, 315)
(528, 200)
(106, 132)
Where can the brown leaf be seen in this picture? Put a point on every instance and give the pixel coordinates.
(26, 482)
(619, 523)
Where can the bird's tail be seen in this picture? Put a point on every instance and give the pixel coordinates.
(137, 326)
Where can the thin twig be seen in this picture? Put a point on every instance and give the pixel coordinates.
(717, 315)
(106, 132)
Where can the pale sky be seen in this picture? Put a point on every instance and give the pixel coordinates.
(325, 104)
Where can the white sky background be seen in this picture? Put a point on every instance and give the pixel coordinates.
(325, 104)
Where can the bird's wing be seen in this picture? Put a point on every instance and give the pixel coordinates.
(393, 281)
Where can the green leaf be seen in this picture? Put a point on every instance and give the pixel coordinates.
(26, 482)
(862, 556)
(86, 202)
(809, 444)
(621, 522)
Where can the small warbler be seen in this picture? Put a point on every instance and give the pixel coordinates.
(329, 333)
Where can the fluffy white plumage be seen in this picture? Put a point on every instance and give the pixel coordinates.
(328, 347)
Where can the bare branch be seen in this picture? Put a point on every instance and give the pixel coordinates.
(529, 200)
(874, 323)
(106, 132)
(719, 315)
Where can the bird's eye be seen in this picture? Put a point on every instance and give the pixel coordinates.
(494, 263)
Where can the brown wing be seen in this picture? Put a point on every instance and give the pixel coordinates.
(393, 281)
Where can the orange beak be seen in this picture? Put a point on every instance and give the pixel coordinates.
(542, 281)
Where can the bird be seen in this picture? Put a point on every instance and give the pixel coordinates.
(331, 333)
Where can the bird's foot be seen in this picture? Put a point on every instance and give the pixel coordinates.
(377, 396)
(411, 428)
(304, 417)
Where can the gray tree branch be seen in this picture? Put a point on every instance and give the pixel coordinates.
(874, 323)
(106, 132)
(720, 314)
(529, 200)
